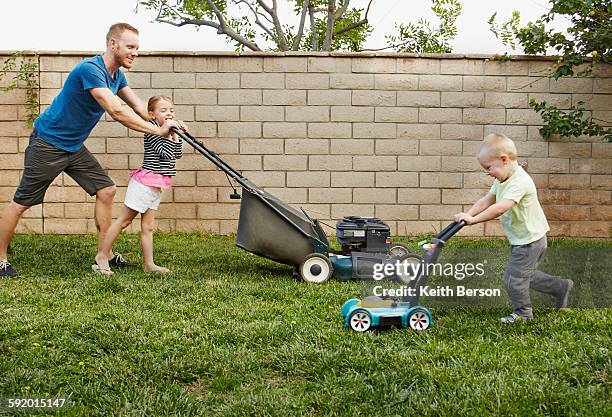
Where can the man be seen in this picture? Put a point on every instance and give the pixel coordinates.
(56, 144)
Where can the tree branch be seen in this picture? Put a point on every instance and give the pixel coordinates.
(184, 21)
(257, 21)
(159, 12)
(313, 28)
(255, 12)
(224, 28)
(530, 83)
(368, 8)
(300, 33)
(195, 22)
(340, 12)
(350, 27)
(386, 47)
(174, 13)
(608, 122)
(329, 32)
(356, 24)
(279, 28)
(273, 12)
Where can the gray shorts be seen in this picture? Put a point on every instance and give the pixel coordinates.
(44, 162)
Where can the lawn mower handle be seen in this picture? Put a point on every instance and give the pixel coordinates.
(212, 157)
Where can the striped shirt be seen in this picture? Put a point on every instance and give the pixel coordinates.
(160, 154)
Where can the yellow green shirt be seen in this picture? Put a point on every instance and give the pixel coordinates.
(525, 222)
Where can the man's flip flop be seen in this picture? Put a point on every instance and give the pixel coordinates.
(104, 271)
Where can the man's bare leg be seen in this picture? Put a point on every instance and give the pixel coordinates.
(104, 214)
(124, 220)
(8, 224)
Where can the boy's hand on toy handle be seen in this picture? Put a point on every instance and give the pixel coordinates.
(464, 217)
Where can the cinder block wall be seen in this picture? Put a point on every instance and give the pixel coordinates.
(392, 136)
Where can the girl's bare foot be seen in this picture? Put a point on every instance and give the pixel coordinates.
(155, 268)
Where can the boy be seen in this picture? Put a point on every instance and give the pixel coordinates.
(513, 198)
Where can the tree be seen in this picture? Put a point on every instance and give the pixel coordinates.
(586, 43)
(322, 25)
(422, 37)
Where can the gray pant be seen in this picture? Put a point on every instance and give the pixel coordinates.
(43, 162)
(522, 274)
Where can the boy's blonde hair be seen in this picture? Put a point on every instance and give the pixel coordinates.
(496, 144)
(153, 101)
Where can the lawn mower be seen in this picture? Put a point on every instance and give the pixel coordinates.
(404, 310)
(270, 228)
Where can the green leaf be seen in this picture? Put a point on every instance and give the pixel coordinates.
(423, 37)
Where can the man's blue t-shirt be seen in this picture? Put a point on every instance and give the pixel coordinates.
(74, 112)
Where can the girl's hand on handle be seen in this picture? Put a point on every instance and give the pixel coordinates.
(164, 130)
(182, 126)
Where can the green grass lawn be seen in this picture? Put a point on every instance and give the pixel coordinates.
(232, 334)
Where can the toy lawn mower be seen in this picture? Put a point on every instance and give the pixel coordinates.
(401, 311)
(270, 228)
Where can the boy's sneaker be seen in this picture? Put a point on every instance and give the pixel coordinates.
(7, 270)
(513, 318)
(563, 299)
(118, 261)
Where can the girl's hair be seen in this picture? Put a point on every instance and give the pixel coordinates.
(153, 101)
(496, 144)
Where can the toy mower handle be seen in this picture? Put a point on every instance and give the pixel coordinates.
(450, 231)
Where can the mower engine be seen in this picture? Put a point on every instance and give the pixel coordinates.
(362, 234)
(364, 243)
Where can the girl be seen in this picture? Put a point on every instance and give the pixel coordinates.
(144, 189)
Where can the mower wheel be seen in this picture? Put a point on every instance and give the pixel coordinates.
(399, 249)
(419, 320)
(316, 268)
(360, 321)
